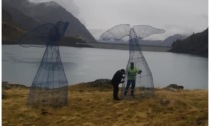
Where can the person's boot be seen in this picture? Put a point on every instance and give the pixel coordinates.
(116, 98)
(125, 93)
(132, 93)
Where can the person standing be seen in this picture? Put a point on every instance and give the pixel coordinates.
(131, 78)
(116, 80)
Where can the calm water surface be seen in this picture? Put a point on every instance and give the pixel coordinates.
(19, 65)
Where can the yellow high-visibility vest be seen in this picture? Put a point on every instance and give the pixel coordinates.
(131, 73)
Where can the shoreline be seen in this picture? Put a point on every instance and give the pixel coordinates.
(96, 83)
(108, 46)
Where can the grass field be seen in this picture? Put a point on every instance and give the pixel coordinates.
(91, 106)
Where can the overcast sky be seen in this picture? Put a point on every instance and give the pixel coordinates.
(174, 16)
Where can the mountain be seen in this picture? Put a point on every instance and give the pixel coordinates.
(18, 17)
(167, 42)
(10, 30)
(47, 12)
(196, 44)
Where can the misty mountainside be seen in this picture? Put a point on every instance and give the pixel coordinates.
(28, 15)
(10, 30)
(196, 44)
(18, 17)
(167, 42)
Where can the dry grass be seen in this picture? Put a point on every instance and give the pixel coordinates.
(94, 107)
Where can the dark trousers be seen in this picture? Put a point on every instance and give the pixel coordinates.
(132, 83)
(115, 90)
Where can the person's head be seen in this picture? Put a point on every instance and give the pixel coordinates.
(123, 71)
(132, 65)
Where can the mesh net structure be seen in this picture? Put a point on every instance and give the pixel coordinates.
(116, 33)
(50, 85)
(142, 85)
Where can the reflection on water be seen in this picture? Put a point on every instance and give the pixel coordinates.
(20, 65)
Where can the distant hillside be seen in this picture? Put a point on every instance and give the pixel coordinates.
(171, 39)
(10, 30)
(167, 42)
(29, 15)
(196, 44)
(18, 17)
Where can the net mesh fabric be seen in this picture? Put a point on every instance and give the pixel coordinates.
(143, 31)
(50, 85)
(116, 33)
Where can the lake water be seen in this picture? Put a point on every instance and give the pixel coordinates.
(19, 65)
